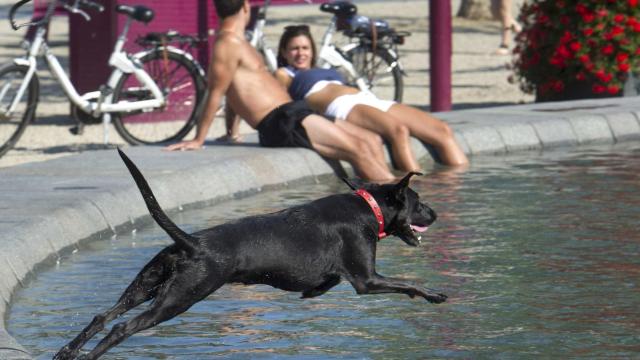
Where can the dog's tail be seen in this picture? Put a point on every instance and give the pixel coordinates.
(181, 238)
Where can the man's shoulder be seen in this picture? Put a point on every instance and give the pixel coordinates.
(228, 38)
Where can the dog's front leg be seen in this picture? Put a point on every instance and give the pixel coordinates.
(377, 284)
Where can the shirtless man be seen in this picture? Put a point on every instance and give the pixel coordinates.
(237, 70)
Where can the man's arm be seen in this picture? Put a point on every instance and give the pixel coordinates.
(222, 68)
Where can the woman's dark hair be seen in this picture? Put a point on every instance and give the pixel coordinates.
(226, 8)
(289, 33)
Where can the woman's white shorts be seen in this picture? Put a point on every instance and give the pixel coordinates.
(341, 106)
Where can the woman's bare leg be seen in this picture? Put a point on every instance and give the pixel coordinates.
(431, 131)
(393, 131)
(333, 142)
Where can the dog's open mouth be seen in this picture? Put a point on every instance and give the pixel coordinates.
(410, 233)
(418, 228)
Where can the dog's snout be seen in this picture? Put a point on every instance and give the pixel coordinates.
(432, 214)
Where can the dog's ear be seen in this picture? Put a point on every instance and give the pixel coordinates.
(351, 184)
(404, 183)
(401, 187)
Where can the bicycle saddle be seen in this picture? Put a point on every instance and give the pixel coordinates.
(136, 12)
(339, 8)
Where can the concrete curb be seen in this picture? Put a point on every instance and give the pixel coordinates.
(49, 206)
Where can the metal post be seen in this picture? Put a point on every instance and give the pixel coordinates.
(440, 54)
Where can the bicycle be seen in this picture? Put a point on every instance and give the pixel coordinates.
(152, 97)
(369, 61)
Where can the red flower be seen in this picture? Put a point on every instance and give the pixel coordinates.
(619, 18)
(558, 86)
(588, 17)
(584, 58)
(622, 57)
(633, 3)
(598, 89)
(613, 89)
(624, 67)
(563, 52)
(580, 76)
(607, 49)
(575, 46)
(581, 9)
(587, 31)
(617, 30)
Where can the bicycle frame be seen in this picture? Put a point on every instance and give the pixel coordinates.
(119, 61)
(257, 38)
(329, 56)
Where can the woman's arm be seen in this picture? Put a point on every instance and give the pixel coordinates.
(283, 78)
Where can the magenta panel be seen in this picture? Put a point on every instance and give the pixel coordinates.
(90, 43)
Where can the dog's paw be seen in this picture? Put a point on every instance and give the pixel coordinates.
(436, 298)
(64, 354)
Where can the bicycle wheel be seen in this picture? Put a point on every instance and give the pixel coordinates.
(379, 71)
(183, 86)
(13, 124)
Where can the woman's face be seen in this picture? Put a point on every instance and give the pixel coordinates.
(299, 52)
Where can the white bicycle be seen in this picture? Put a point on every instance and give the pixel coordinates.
(370, 59)
(152, 97)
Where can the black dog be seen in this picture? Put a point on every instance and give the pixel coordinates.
(307, 248)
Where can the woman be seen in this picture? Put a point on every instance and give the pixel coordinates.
(326, 93)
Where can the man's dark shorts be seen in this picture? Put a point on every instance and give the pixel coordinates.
(282, 127)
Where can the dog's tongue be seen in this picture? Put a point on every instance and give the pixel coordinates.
(420, 229)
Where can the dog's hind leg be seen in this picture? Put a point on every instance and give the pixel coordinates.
(170, 302)
(143, 288)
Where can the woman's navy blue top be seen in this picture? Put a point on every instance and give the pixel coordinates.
(303, 80)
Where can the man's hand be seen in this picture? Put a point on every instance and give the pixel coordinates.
(185, 145)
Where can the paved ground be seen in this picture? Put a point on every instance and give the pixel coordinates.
(47, 207)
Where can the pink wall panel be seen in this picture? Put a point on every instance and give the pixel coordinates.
(90, 43)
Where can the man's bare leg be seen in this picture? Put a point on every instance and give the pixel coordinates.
(432, 131)
(333, 142)
(373, 140)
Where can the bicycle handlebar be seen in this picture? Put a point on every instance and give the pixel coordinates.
(50, 9)
(91, 4)
(12, 13)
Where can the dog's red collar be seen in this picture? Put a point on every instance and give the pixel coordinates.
(375, 208)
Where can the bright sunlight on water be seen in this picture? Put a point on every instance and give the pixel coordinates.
(539, 254)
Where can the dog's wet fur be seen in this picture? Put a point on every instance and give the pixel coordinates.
(308, 248)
